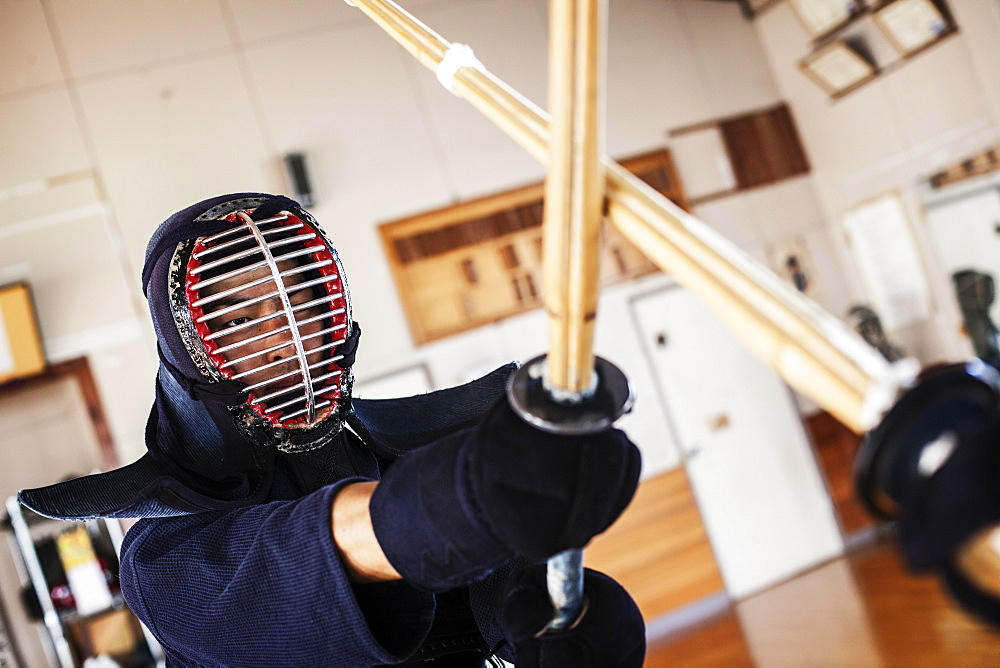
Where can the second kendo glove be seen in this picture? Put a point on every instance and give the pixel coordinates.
(449, 512)
(957, 501)
(609, 631)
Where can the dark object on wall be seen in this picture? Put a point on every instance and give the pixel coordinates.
(799, 276)
(752, 8)
(975, 292)
(869, 326)
(298, 177)
(763, 147)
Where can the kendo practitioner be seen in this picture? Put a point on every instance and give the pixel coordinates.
(289, 524)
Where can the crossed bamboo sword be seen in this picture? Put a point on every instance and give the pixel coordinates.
(810, 349)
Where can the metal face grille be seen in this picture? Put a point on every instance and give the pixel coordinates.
(268, 304)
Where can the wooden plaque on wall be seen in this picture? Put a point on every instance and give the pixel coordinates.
(480, 261)
(21, 353)
(913, 25)
(838, 68)
(820, 17)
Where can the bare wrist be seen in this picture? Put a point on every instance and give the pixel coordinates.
(354, 536)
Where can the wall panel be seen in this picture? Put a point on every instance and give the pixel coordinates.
(29, 58)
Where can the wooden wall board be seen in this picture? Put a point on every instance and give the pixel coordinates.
(764, 147)
(480, 261)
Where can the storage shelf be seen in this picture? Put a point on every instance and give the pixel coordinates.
(67, 630)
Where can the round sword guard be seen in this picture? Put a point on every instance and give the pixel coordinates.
(920, 432)
(596, 411)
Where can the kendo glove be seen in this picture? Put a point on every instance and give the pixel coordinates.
(451, 511)
(609, 632)
(958, 500)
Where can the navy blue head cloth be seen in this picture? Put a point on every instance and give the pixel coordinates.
(198, 457)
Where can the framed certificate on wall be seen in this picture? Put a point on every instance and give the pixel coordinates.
(912, 25)
(822, 16)
(21, 351)
(838, 68)
(889, 261)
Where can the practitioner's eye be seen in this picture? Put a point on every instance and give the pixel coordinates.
(235, 322)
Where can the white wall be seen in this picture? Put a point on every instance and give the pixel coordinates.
(920, 116)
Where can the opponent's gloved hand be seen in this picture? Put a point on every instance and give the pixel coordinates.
(610, 631)
(958, 500)
(449, 512)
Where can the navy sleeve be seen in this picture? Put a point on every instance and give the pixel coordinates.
(263, 585)
(486, 599)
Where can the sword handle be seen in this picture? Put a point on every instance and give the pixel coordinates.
(611, 397)
(564, 579)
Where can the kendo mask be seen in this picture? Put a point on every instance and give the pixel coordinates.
(263, 310)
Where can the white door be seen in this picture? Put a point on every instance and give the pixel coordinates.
(763, 501)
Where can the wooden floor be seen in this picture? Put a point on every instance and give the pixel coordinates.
(862, 610)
